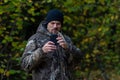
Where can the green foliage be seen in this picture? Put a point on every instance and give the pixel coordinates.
(94, 27)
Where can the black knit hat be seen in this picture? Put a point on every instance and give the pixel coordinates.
(54, 15)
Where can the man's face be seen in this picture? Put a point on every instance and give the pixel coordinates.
(54, 27)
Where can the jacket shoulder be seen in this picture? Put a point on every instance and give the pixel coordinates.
(34, 36)
(67, 38)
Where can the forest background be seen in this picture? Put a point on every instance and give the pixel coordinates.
(93, 25)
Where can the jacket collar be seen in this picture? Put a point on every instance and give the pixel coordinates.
(42, 29)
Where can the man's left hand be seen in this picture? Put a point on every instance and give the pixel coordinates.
(62, 42)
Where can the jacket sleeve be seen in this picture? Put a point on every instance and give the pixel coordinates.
(73, 50)
(31, 56)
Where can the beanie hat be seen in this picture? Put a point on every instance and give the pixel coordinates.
(54, 15)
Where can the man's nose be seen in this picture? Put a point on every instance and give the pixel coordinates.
(55, 25)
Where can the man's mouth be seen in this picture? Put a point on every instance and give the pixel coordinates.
(54, 30)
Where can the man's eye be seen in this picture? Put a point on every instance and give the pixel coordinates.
(52, 23)
(58, 23)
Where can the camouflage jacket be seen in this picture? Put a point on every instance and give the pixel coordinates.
(50, 66)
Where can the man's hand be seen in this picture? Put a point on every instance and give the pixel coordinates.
(49, 47)
(62, 42)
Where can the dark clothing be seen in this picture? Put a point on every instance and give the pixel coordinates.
(48, 66)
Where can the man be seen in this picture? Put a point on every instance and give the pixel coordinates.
(48, 58)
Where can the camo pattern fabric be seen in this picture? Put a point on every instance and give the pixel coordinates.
(48, 66)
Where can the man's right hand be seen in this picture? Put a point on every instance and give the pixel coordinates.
(49, 47)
